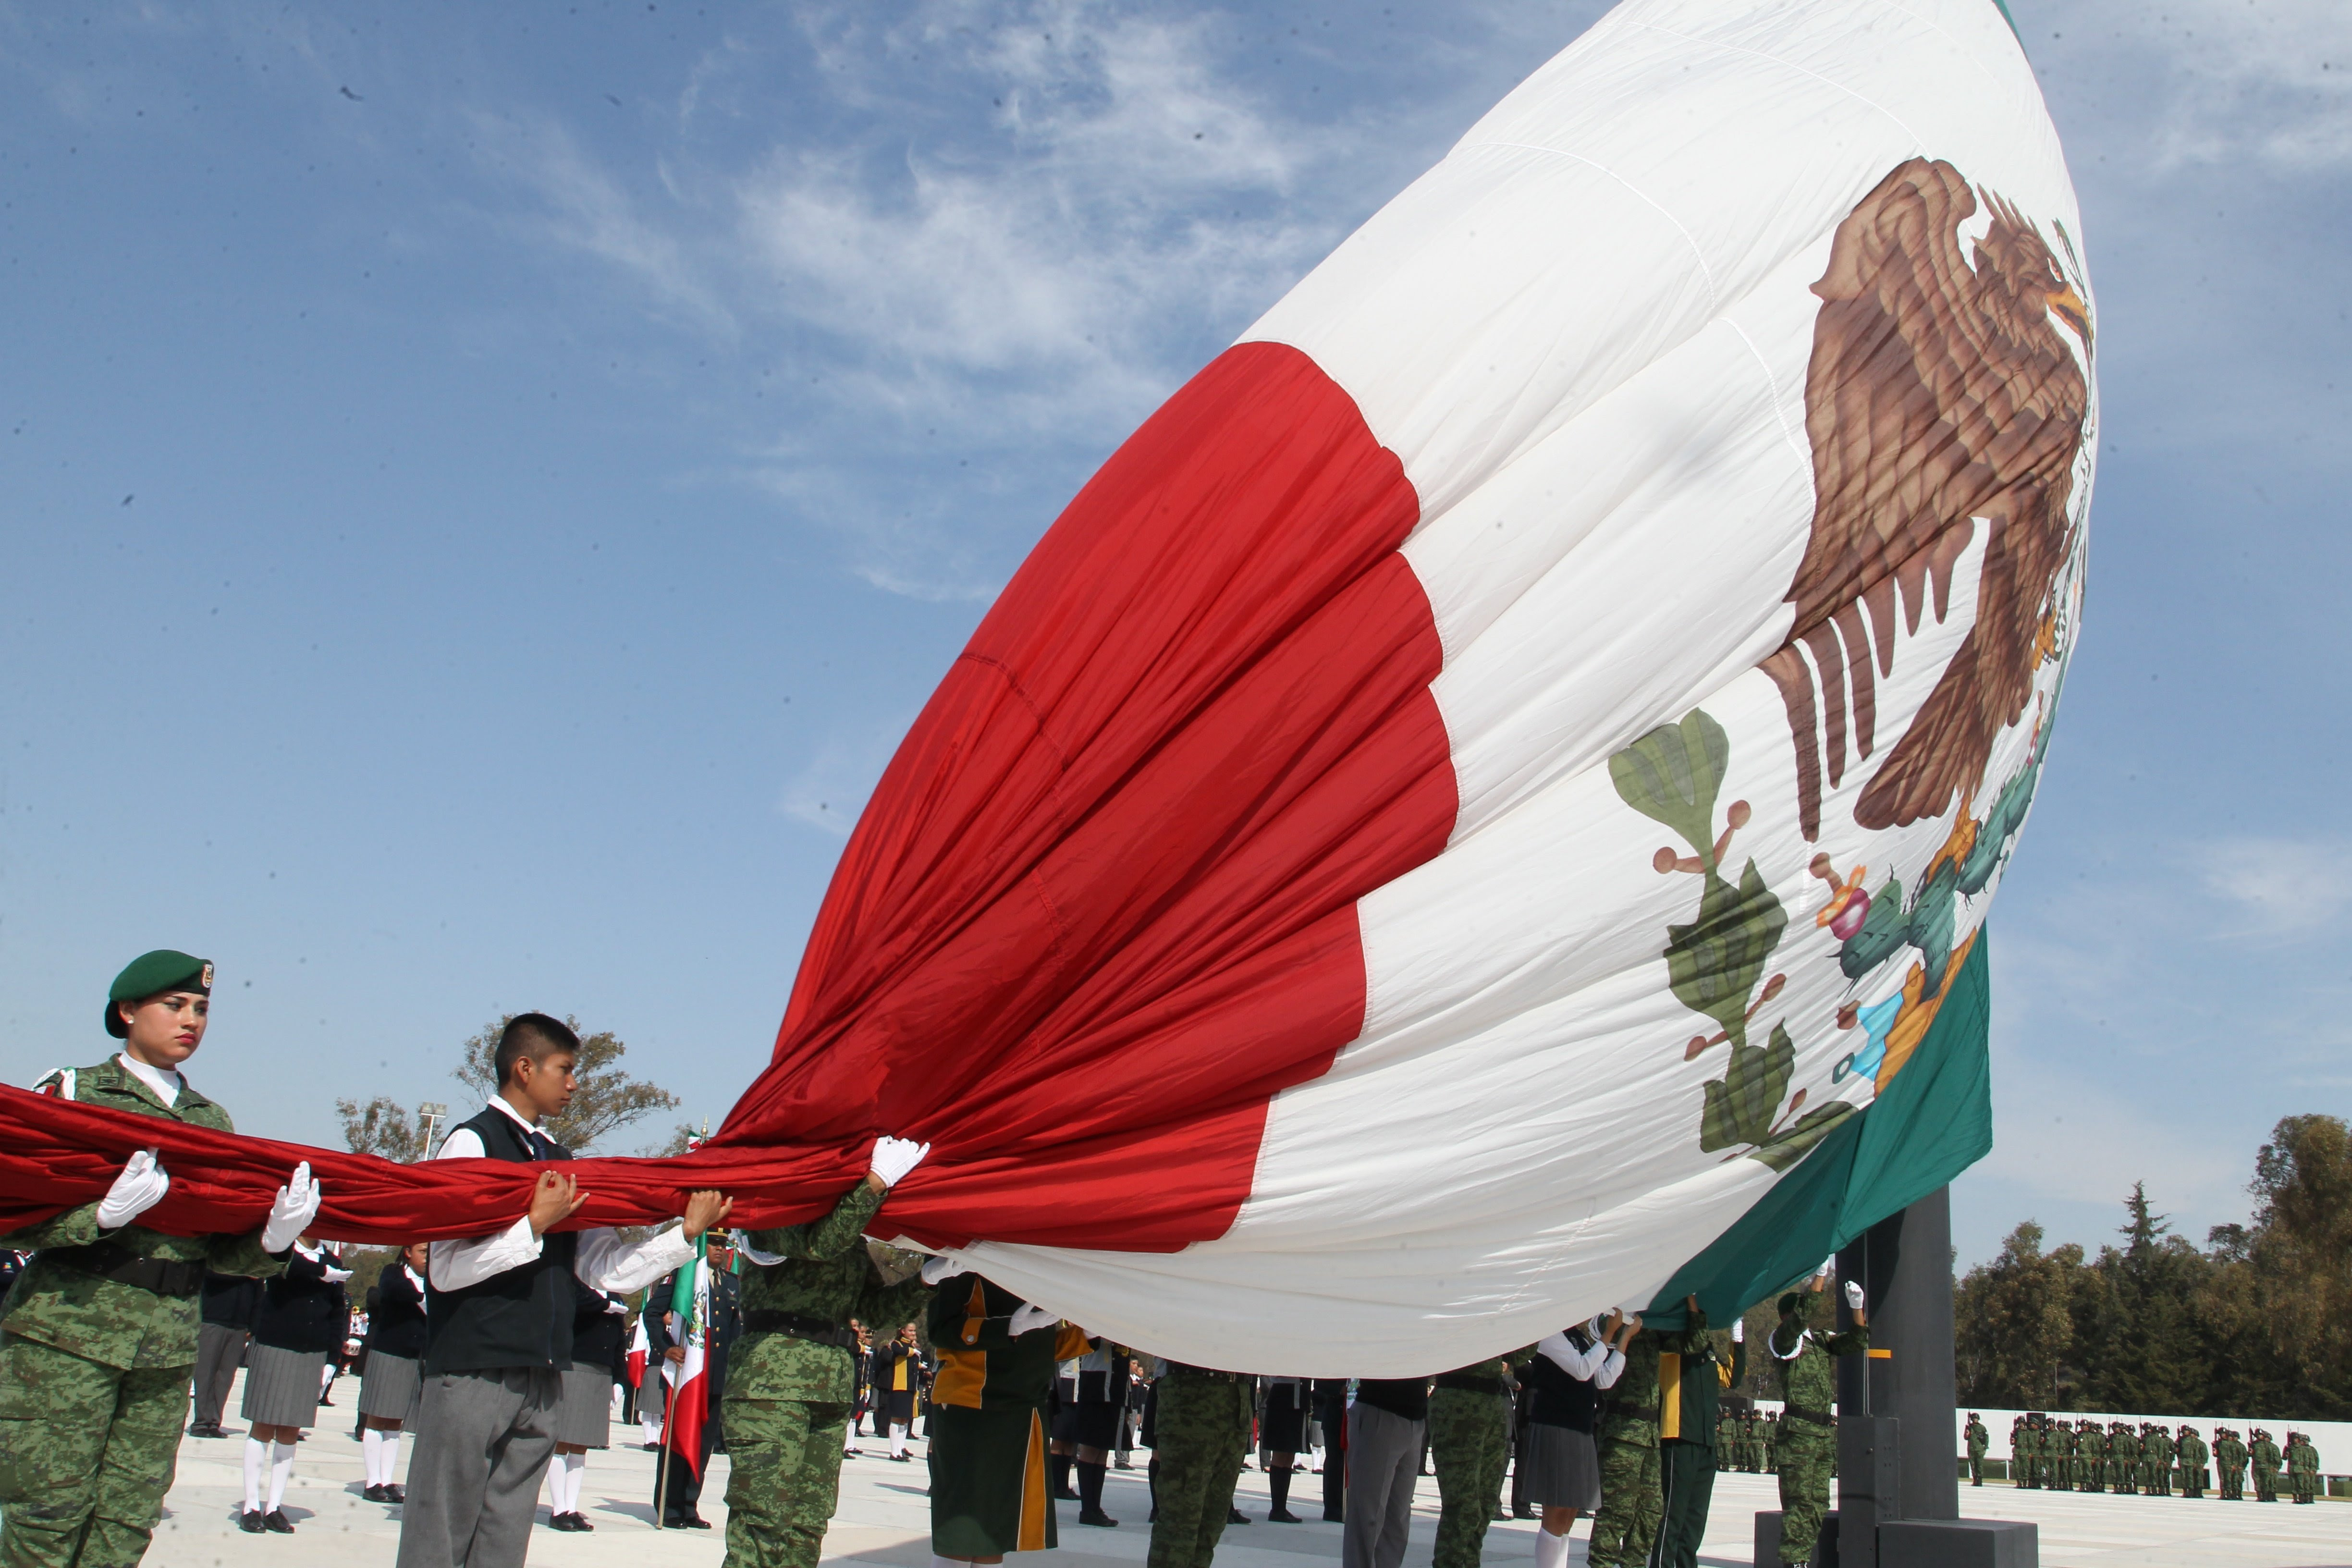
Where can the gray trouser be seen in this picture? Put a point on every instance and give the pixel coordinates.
(483, 1440)
(218, 1350)
(1383, 1459)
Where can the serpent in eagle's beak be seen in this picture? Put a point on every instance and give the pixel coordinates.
(2068, 307)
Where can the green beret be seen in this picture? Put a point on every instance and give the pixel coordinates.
(152, 975)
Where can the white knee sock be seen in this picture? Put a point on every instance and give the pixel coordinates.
(281, 1470)
(391, 1451)
(372, 1454)
(1551, 1550)
(576, 1471)
(257, 1455)
(897, 1439)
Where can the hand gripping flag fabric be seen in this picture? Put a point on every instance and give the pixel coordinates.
(1484, 807)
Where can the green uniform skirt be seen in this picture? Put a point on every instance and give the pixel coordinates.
(989, 1490)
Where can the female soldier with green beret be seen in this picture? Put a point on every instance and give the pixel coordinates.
(98, 1337)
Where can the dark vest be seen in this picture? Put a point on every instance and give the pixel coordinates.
(521, 1317)
(1561, 1398)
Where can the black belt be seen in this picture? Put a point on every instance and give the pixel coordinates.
(1468, 1383)
(761, 1321)
(107, 1261)
(1818, 1417)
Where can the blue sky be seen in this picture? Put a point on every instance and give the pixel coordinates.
(485, 488)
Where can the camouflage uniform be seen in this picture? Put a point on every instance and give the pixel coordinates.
(1808, 1434)
(1626, 1524)
(1727, 1440)
(1202, 1426)
(2192, 1463)
(2123, 1458)
(2230, 1458)
(2301, 1468)
(785, 1408)
(1979, 1442)
(95, 1383)
(2264, 1455)
(2156, 1449)
(1469, 1442)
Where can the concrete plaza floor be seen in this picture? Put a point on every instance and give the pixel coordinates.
(884, 1520)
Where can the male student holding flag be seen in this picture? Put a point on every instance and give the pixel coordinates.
(499, 1315)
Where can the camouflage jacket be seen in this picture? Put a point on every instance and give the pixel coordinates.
(1808, 1380)
(106, 1320)
(828, 1275)
(2302, 1456)
(1632, 1414)
(2265, 1455)
(1978, 1440)
(2192, 1451)
(2230, 1453)
(2157, 1450)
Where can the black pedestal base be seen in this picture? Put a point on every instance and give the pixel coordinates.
(1919, 1544)
(1768, 1541)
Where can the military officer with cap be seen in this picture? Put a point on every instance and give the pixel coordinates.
(99, 1333)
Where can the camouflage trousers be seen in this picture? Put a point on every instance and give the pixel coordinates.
(2233, 1484)
(2305, 1484)
(1469, 1442)
(1626, 1525)
(2265, 1485)
(784, 1479)
(1808, 1459)
(1204, 1428)
(86, 1452)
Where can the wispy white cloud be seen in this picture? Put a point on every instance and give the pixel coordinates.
(830, 792)
(2284, 887)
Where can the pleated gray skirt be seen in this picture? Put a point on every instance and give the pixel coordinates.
(393, 1387)
(584, 1415)
(282, 1388)
(1563, 1468)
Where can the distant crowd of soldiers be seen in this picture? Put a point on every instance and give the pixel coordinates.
(1745, 1439)
(2148, 1460)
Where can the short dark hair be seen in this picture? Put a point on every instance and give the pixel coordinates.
(532, 1034)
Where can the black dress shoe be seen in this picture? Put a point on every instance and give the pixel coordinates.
(375, 1494)
(1284, 1516)
(580, 1521)
(1097, 1518)
(250, 1522)
(1065, 1495)
(277, 1523)
(1235, 1516)
(394, 1494)
(562, 1522)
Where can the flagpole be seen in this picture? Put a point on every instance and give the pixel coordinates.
(661, 1469)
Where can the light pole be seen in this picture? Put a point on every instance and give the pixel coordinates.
(429, 1116)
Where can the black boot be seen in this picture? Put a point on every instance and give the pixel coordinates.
(1090, 1508)
(1277, 1482)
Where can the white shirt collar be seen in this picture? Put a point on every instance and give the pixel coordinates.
(498, 1102)
(166, 1085)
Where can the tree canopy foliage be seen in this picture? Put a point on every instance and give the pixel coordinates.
(608, 1098)
(2158, 1324)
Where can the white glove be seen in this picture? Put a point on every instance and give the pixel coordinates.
(742, 1240)
(1032, 1316)
(1853, 1295)
(938, 1267)
(894, 1157)
(290, 1214)
(615, 1308)
(140, 1187)
(1739, 1331)
(335, 1274)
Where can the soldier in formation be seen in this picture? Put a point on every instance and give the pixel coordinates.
(98, 1333)
(2156, 1450)
(2301, 1467)
(1979, 1441)
(2192, 1462)
(2064, 1463)
(2091, 1442)
(2265, 1455)
(1808, 1441)
(2123, 1457)
(2230, 1457)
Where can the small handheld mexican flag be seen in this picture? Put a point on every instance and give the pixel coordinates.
(689, 1398)
(641, 1350)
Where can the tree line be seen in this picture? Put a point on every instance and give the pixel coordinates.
(2251, 1324)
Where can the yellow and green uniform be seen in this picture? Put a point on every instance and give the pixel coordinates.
(98, 1337)
(990, 1491)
